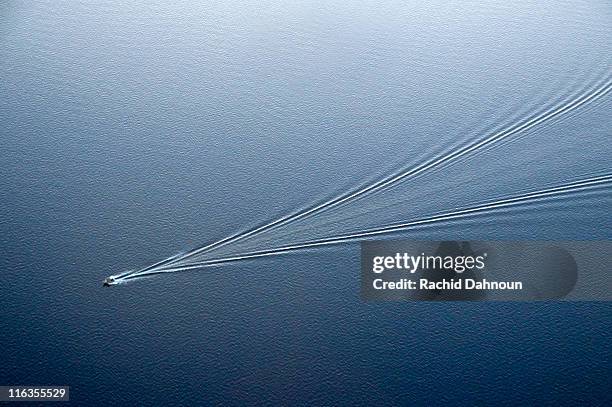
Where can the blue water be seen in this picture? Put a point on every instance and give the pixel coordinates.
(129, 133)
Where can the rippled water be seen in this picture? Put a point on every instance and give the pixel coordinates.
(133, 132)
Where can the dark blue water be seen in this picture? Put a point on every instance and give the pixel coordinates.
(129, 133)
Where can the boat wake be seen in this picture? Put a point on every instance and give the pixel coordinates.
(478, 144)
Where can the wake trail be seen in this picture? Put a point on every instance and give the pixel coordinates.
(419, 169)
(516, 201)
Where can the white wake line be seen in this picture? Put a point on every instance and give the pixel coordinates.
(422, 168)
(460, 214)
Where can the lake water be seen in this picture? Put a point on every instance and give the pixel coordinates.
(131, 132)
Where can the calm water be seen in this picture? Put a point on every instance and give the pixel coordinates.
(132, 132)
